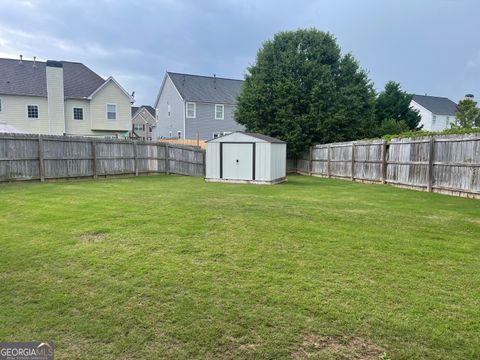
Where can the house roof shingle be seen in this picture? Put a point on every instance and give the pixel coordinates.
(437, 105)
(22, 78)
(207, 89)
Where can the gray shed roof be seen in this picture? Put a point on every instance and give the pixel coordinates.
(206, 88)
(437, 105)
(266, 138)
(22, 78)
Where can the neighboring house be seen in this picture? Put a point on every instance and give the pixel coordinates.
(143, 122)
(437, 112)
(62, 98)
(196, 107)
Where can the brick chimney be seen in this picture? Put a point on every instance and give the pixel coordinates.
(56, 98)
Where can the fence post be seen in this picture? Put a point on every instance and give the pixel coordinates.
(94, 159)
(328, 160)
(384, 162)
(431, 155)
(167, 159)
(41, 162)
(310, 162)
(353, 161)
(135, 157)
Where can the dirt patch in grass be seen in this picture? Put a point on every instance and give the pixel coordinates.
(87, 238)
(338, 348)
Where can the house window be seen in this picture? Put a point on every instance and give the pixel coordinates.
(219, 112)
(434, 119)
(1, 104)
(170, 134)
(191, 110)
(77, 113)
(179, 134)
(137, 127)
(169, 110)
(149, 129)
(447, 121)
(32, 111)
(149, 138)
(111, 112)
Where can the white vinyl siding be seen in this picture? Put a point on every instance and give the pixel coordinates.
(32, 111)
(111, 111)
(191, 110)
(219, 112)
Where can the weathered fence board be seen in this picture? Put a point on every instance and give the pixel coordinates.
(34, 157)
(448, 163)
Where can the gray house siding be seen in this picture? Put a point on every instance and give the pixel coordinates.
(169, 125)
(204, 124)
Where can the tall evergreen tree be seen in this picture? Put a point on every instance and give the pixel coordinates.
(302, 90)
(468, 114)
(393, 105)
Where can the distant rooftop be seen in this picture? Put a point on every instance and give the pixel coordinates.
(206, 88)
(437, 105)
(150, 109)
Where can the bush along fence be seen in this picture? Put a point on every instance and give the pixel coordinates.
(43, 157)
(446, 164)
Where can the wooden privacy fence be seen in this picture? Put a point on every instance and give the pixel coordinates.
(41, 157)
(449, 164)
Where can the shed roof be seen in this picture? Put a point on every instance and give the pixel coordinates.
(206, 88)
(258, 136)
(437, 105)
(29, 78)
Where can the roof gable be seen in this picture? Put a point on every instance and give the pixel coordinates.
(146, 112)
(207, 89)
(23, 78)
(437, 105)
(240, 136)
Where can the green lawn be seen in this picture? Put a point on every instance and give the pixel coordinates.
(173, 267)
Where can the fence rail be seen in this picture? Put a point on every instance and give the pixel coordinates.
(448, 164)
(42, 157)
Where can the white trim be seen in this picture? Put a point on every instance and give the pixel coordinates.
(38, 111)
(194, 109)
(184, 120)
(73, 113)
(105, 84)
(106, 112)
(223, 112)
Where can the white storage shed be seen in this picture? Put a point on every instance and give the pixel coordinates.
(246, 158)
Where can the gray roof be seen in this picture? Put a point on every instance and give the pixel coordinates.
(207, 88)
(437, 105)
(150, 109)
(22, 78)
(266, 138)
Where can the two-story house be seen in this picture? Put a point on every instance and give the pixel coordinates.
(437, 113)
(143, 122)
(196, 107)
(62, 98)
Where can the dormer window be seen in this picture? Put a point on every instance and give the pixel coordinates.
(191, 110)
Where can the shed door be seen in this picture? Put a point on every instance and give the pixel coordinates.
(237, 161)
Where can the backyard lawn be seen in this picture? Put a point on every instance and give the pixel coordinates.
(173, 267)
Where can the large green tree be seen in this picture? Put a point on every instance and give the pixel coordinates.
(468, 114)
(302, 90)
(393, 111)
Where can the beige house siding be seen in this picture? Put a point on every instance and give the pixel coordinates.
(145, 120)
(78, 127)
(110, 94)
(56, 106)
(14, 112)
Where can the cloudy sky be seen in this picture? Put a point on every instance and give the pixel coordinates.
(429, 46)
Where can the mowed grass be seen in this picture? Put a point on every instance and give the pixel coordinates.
(173, 267)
